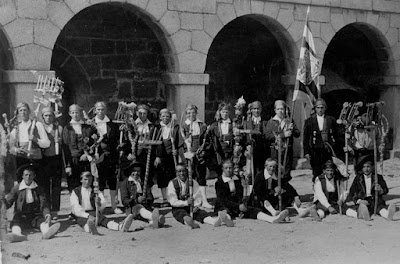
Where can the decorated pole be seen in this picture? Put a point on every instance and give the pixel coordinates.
(171, 134)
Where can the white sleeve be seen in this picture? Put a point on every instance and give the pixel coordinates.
(319, 193)
(76, 208)
(173, 198)
(43, 140)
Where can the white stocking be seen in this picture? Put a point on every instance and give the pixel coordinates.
(265, 217)
(146, 214)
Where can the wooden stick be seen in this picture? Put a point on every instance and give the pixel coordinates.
(338, 192)
(375, 171)
(279, 142)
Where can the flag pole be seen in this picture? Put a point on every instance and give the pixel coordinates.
(296, 89)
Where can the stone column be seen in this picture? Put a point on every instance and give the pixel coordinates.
(186, 88)
(22, 83)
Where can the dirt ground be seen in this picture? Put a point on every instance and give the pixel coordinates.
(337, 239)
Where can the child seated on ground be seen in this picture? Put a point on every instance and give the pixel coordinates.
(85, 201)
(132, 196)
(360, 201)
(31, 208)
(181, 201)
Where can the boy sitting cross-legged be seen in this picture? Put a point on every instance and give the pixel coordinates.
(84, 202)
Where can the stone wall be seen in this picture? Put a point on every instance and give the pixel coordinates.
(108, 53)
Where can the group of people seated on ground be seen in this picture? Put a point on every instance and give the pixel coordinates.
(178, 155)
(31, 208)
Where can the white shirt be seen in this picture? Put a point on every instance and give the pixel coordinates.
(225, 126)
(48, 128)
(266, 174)
(173, 197)
(166, 130)
(23, 134)
(368, 183)
(29, 196)
(137, 183)
(77, 126)
(319, 194)
(320, 120)
(143, 127)
(102, 125)
(230, 181)
(79, 210)
(256, 120)
(195, 126)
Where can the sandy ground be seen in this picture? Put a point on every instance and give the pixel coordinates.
(337, 239)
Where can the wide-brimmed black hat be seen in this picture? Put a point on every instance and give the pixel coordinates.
(31, 166)
(362, 160)
(127, 169)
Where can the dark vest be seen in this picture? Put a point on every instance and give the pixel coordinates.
(331, 196)
(178, 190)
(51, 151)
(78, 193)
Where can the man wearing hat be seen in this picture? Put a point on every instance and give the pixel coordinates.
(76, 137)
(319, 136)
(109, 133)
(281, 126)
(22, 134)
(52, 159)
(31, 209)
(257, 137)
(360, 201)
(132, 196)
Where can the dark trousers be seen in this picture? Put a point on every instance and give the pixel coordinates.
(77, 168)
(199, 171)
(52, 166)
(180, 212)
(102, 221)
(107, 174)
(26, 221)
(318, 158)
(371, 205)
(166, 171)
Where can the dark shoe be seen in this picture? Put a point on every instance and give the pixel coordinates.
(161, 220)
(92, 227)
(127, 223)
(16, 238)
(189, 221)
(314, 214)
(52, 231)
(363, 212)
(165, 204)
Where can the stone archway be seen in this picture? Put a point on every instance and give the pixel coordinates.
(6, 64)
(248, 57)
(112, 52)
(356, 62)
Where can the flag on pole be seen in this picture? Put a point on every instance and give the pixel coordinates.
(307, 78)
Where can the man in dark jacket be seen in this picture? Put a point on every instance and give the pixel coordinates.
(361, 198)
(281, 126)
(31, 208)
(267, 191)
(319, 135)
(132, 196)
